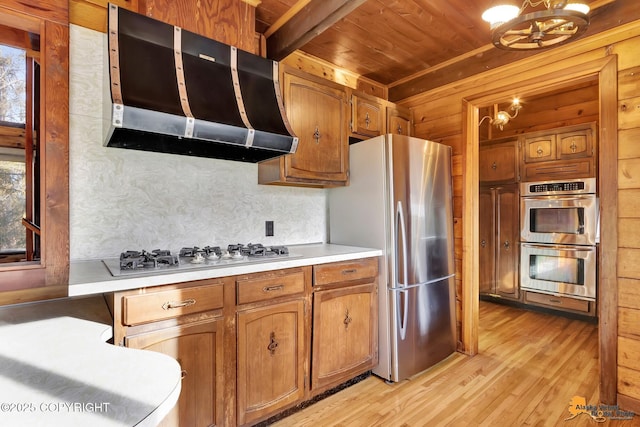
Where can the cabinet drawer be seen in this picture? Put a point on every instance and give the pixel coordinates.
(265, 287)
(345, 271)
(557, 302)
(165, 304)
(580, 168)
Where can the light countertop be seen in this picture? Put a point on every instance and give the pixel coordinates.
(93, 277)
(57, 370)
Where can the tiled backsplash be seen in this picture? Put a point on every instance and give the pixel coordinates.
(127, 199)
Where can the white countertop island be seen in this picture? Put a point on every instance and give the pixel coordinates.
(57, 370)
(92, 277)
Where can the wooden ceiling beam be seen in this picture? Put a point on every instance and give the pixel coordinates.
(311, 20)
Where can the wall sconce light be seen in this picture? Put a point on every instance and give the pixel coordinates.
(502, 117)
(511, 29)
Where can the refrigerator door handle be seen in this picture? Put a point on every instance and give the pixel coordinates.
(402, 310)
(415, 285)
(400, 226)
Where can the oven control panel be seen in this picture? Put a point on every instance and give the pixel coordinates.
(572, 186)
(556, 186)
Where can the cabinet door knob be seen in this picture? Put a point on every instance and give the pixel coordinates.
(494, 166)
(539, 151)
(347, 319)
(573, 147)
(399, 130)
(483, 243)
(316, 135)
(507, 245)
(273, 344)
(183, 374)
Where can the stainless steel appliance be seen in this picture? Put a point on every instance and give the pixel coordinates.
(566, 270)
(133, 263)
(559, 236)
(563, 212)
(400, 200)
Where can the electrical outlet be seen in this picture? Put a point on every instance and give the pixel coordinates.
(268, 228)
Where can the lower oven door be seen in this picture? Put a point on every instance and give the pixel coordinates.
(559, 270)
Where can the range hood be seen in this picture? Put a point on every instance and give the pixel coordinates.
(177, 92)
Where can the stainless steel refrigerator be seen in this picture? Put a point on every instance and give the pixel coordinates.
(400, 200)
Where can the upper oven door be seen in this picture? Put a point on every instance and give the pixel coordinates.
(568, 220)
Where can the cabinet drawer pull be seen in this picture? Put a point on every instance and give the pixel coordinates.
(349, 271)
(557, 301)
(186, 303)
(273, 288)
(494, 166)
(539, 151)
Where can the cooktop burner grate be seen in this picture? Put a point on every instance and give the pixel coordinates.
(158, 261)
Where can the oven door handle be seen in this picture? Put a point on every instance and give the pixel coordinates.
(560, 247)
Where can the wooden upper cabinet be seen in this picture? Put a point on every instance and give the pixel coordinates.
(539, 148)
(560, 153)
(318, 114)
(499, 162)
(399, 120)
(367, 116)
(575, 144)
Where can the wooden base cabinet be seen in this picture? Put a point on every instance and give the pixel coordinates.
(499, 252)
(345, 322)
(198, 349)
(344, 334)
(184, 321)
(271, 355)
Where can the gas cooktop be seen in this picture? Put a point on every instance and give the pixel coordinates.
(190, 258)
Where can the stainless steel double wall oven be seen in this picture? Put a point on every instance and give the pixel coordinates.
(559, 236)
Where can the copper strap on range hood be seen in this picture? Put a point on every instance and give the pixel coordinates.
(177, 92)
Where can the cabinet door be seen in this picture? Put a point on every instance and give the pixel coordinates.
(318, 116)
(540, 148)
(366, 117)
(399, 121)
(487, 231)
(344, 334)
(271, 362)
(198, 349)
(499, 162)
(576, 144)
(507, 241)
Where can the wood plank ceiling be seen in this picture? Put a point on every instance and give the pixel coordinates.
(409, 45)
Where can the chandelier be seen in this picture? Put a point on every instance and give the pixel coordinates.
(511, 29)
(502, 117)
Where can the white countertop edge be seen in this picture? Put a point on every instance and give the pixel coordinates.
(93, 277)
(156, 417)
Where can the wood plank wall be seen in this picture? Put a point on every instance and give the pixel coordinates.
(629, 223)
(438, 115)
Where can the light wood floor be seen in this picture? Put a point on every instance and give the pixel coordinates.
(529, 367)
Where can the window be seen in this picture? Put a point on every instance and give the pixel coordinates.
(13, 167)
